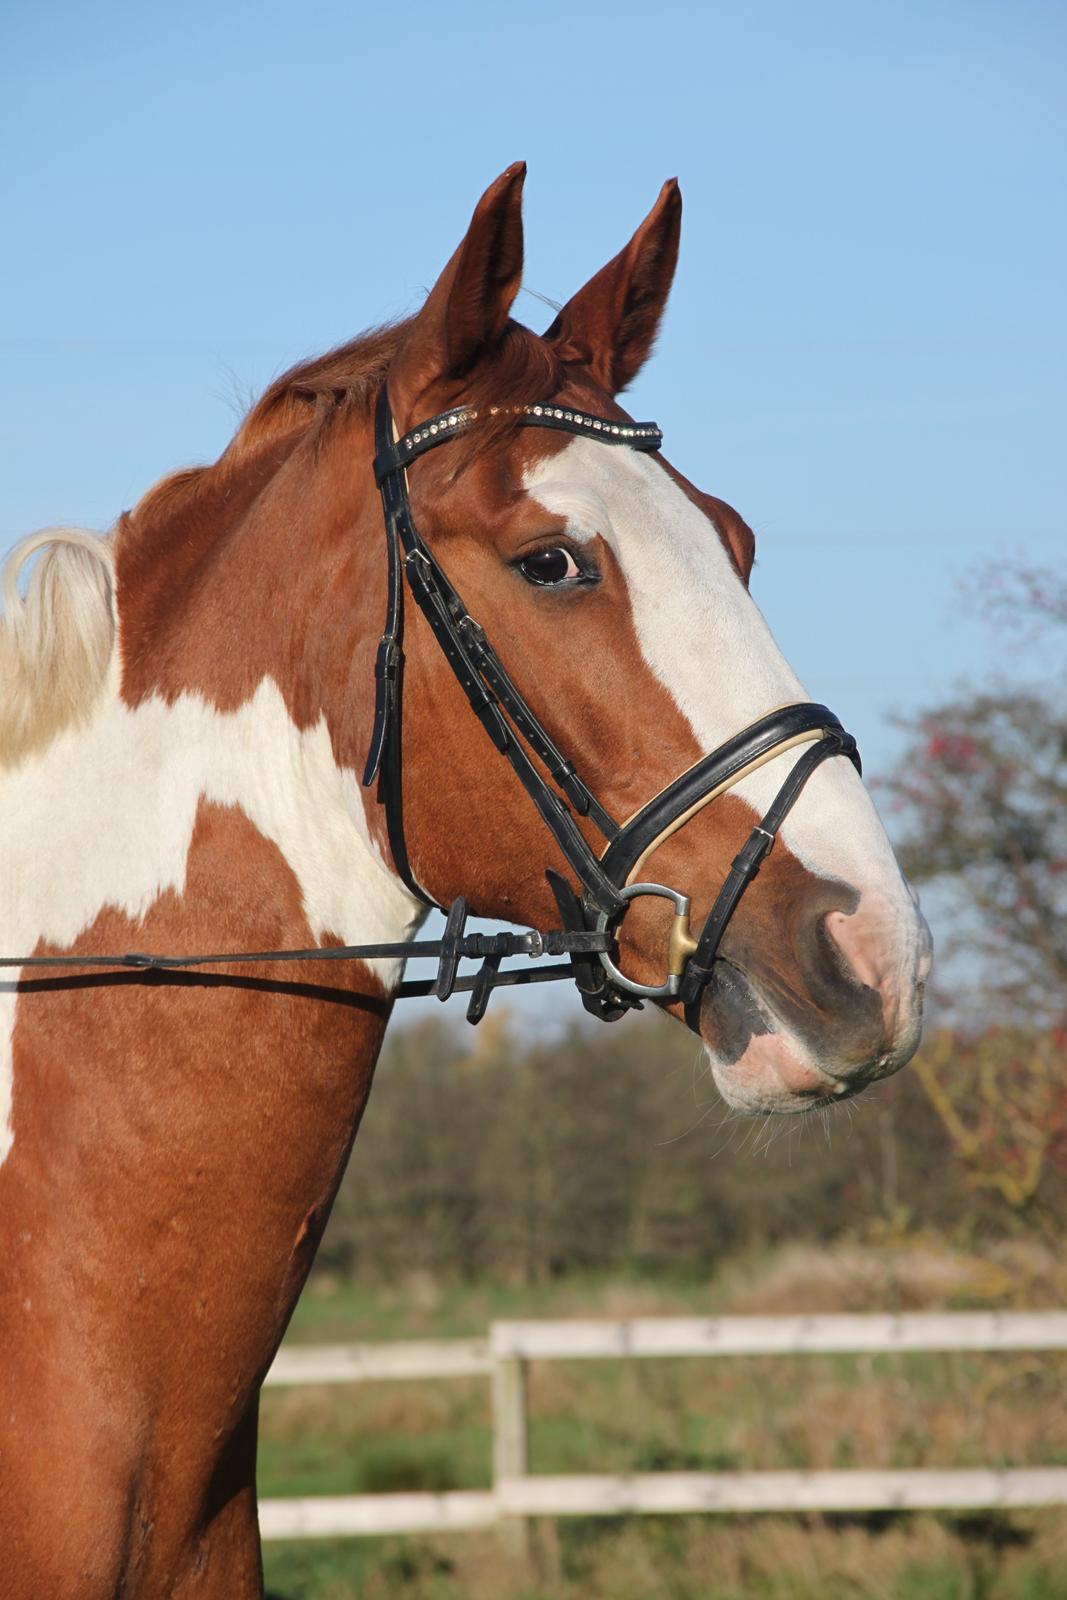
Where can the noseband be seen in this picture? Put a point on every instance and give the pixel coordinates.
(606, 890)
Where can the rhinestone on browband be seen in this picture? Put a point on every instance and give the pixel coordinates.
(437, 430)
(454, 421)
(447, 422)
(644, 434)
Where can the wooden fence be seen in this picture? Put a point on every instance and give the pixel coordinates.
(515, 1494)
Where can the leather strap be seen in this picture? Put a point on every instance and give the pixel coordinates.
(599, 995)
(709, 776)
(746, 865)
(562, 772)
(388, 660)
(489, 690)
(384, 758)
(392, 456)
(455, 945)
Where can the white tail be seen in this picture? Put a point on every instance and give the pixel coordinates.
(56, 643)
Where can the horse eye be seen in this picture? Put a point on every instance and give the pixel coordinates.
(550, 566)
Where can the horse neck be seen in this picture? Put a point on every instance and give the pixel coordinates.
(254, 635)
(210, 803)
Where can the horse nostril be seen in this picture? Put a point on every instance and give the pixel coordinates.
(881, 954)
(860, 941)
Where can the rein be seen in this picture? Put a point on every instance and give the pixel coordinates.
(592, 917)
(454, 946)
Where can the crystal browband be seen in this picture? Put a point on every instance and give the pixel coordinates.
(638, 435)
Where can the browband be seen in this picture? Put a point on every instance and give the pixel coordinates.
(450, 424)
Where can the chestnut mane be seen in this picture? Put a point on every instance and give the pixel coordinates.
(312, 396)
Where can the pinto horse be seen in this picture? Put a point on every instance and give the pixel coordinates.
(188, 708)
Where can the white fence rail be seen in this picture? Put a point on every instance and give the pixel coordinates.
(778, 1336)
(363, 1363)
(515, 1494)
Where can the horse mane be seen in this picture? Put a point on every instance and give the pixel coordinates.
(57, 641)
(523, 369)
(313, 396)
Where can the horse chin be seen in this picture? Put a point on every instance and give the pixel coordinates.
(760, 1066)
(773, 1074)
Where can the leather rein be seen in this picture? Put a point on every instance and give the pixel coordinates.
(592, 916)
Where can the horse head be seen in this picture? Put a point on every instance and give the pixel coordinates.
(616, 596)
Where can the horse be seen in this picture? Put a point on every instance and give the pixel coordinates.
(189, 704)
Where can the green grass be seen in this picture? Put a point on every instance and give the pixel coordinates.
(1023, 1557)
(332, 1309)
(375, 1438)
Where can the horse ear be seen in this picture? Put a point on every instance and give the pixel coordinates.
(611, 324)
(467, 309)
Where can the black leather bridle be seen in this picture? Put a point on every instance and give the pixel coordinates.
(591, 917)
(519, 736)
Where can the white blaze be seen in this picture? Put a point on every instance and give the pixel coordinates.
(704, 638)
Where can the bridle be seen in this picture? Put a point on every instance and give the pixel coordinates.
(591, 918)
(606, 889)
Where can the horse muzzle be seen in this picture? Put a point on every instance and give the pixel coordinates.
(845, 1012)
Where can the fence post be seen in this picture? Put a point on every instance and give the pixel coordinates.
(509, 1442)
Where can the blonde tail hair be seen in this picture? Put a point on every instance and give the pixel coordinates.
(57, 642)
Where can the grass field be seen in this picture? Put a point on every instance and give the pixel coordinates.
(832, 1411)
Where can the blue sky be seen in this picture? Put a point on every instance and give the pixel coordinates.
(864, 351)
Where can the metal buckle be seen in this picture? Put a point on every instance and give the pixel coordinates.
(680, 945)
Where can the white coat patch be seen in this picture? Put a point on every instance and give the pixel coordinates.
(104, 817)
